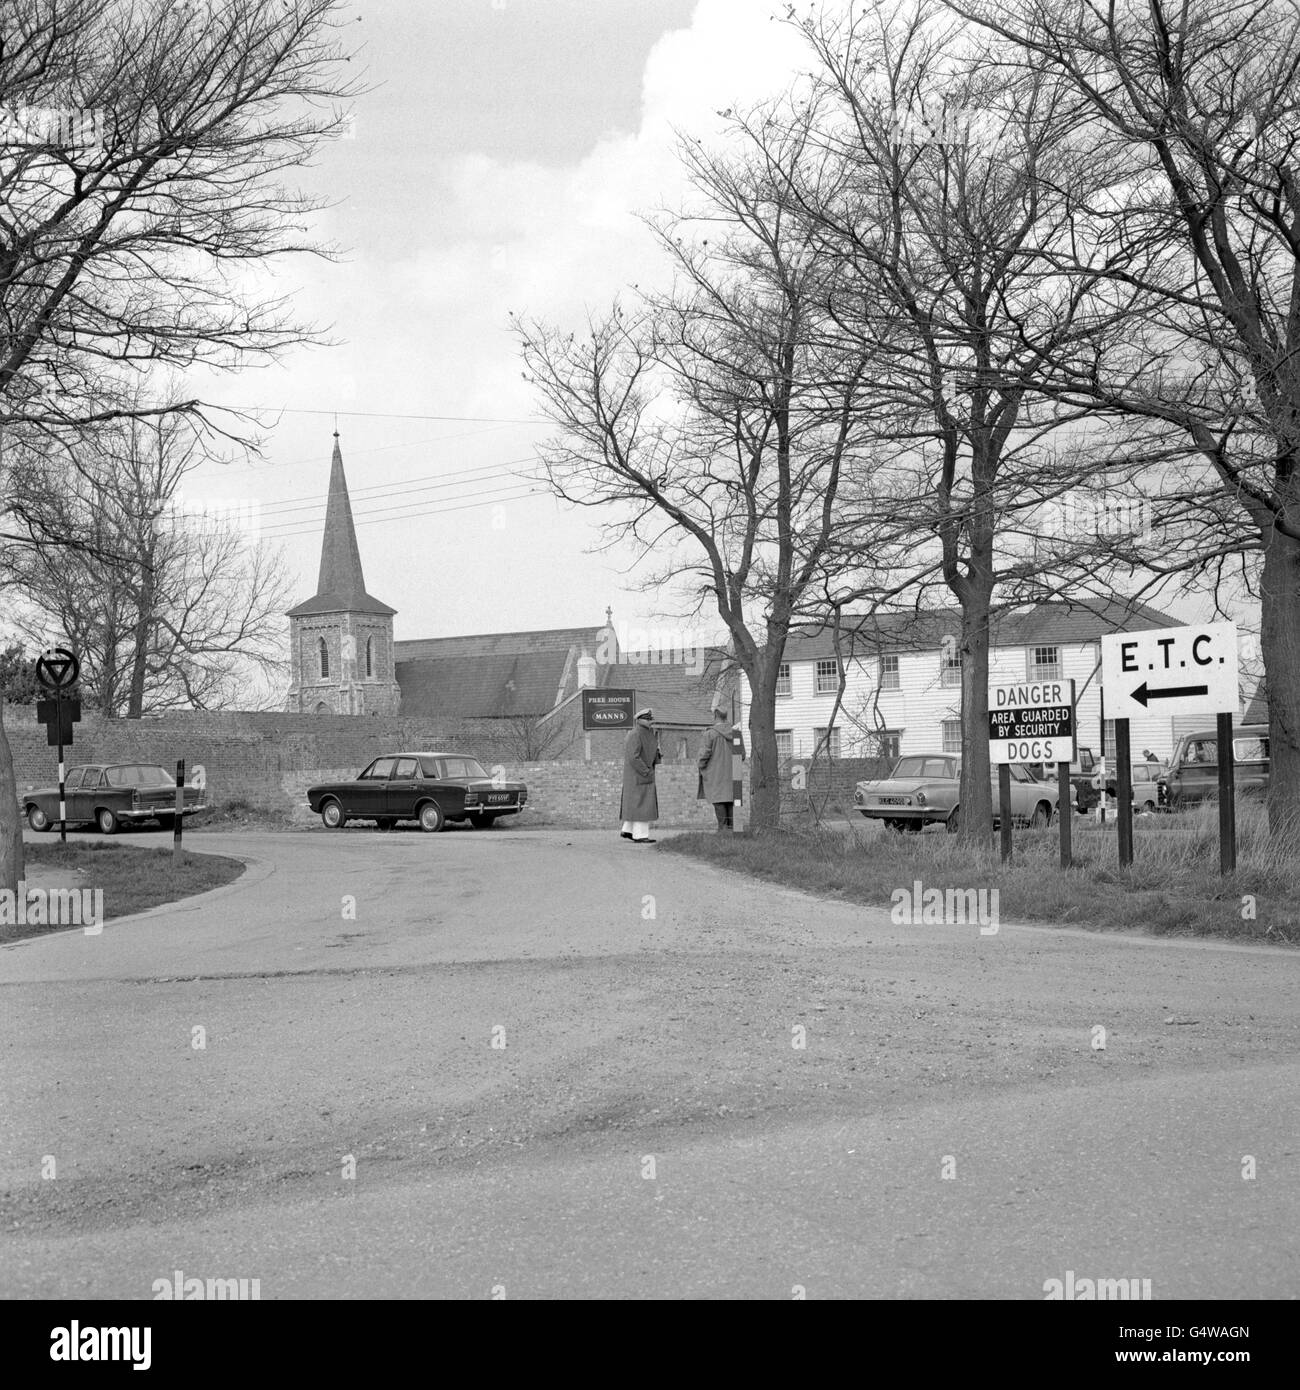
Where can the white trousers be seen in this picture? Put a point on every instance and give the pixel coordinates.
(638, 829)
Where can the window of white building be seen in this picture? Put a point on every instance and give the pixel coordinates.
(1044, 663)
(833, 747)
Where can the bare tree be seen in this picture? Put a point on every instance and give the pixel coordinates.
(1199, 103)
(955, 189)
(171, 605)
(149, 175)
(715, 421)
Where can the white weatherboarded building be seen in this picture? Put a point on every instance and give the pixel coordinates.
(903, 678)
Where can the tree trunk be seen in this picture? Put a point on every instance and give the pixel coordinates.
(11, 824)
(976, 825)
(1280, 647)
(140, 649)
(764, 767)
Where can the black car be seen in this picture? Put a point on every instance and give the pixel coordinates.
(432, 788)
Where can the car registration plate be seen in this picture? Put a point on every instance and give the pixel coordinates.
(892, 800)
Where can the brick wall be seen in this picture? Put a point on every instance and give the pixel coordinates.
(829, 785)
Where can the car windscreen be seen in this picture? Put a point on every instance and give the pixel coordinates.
(137, 775)
(909, 767)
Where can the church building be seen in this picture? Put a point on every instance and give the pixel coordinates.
(341, 639)
(344, 661)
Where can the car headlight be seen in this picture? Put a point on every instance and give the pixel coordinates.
(859, 797)
(920, 798)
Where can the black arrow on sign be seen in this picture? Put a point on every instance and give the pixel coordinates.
(1173, 692)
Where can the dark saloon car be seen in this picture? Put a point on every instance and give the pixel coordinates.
(432, 788)
(111, 795)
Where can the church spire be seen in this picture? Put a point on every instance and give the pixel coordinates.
(340, 586)
(340, 560)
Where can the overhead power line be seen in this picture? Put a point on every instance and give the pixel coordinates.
(386, 415)
(373, 493)
(422, 510)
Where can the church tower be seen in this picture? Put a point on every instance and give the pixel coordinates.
(341, 641)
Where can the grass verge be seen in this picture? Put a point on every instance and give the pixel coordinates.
(1172, 888)
(132, 879)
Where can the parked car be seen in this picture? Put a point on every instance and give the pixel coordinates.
(924, 787)
(1146, 777)
(1083, 779)
(1193, 774)
(432, 788)
(110, 795)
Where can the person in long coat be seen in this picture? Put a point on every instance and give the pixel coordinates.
(640, 803)
(716, 775)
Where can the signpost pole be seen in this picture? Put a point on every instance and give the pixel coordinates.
(63, 805)
(180, 807)
(1227, 796)
(1065, 810)
(1101, 804)
(1124, 791)
(1004, 808)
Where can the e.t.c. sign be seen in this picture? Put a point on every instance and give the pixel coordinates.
(1172, 670)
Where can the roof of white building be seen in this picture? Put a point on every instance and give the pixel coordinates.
(1068, 622)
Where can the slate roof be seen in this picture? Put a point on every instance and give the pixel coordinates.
(1049, 624)
(677, 692)
(499, 643)
(340, 585)
(492, 686)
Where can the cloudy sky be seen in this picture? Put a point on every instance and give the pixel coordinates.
(497, 163)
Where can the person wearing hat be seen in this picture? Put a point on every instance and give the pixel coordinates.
(640, 804)
(716, 774)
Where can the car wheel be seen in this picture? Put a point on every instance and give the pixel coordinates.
(481, 822)
(1042, 816)
(331, 813)
(1149, 808)
(38, 820)
(953, 823)
(107, 821)
(431, 817)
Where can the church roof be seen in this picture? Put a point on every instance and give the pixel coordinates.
(341, 586)
(555, 639)
(498, 685)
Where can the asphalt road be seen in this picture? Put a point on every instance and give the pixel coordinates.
(560, 1065)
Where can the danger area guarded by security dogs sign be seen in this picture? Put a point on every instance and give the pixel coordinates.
(1032, 723)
